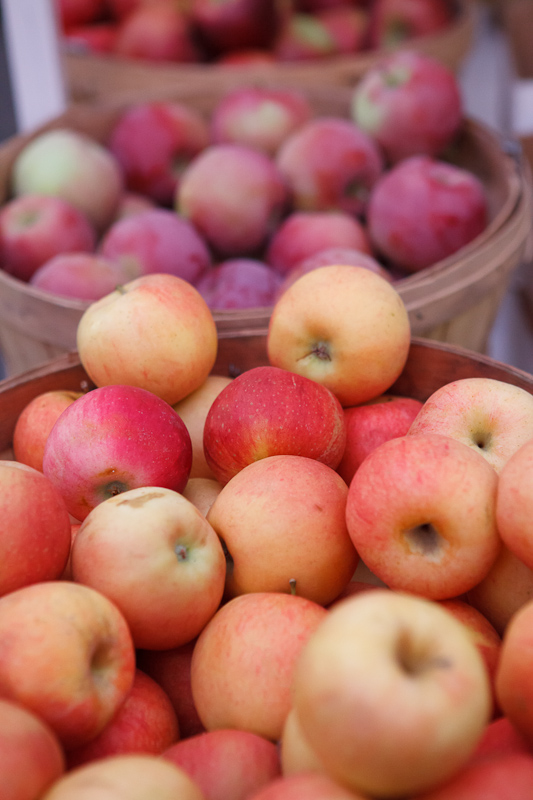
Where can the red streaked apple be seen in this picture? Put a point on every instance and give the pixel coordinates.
(113, 439)
(156, 332)
(244, 659)
(239, 283)
(513, 685)
(391, 694)
(157, 32)
(421, 512)
(34, 527)
(282, 521)
(494, 418)
(227, 764)
(396, 22)
(513, 506)
(344, 327)
(35, 227)
(66, 654)
(173, 569)
(268, 411)
(226, 25)
(69, 164)
(35, 422)
(84, 276)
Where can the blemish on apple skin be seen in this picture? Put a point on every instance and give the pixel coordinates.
(139, 502)
(181, 552)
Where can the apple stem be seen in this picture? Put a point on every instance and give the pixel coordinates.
(292, 584)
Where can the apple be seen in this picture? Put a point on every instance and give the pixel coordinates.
(421, 512)
(489, 780)
(171, 669)
(173, 566)
(131, 203)
(259, 116)
(391, 693)
(202, 492)
(282, 521)
(348, 26)
(499, 738)
(156, 241)
(268, 411)
(296, 754)
(370, 424)
(330, 164)
(157, 32)
(225, 25)
(94, 38)
(69, 164)
(35, 422)
(493, 417)
(303, 234)
(227, 764)
(35, 527)
(423, 210)
(513, 503)
(239, 283)
(234, 195)
(507, 586)
(513, 686)
(31, 755)
(305, 786)
(244, 659)
(83, 276)
(303, 37)
(193, 410)
(156, 332)
(34, 228)
(394, 23)
(333, 256)
(66, 654)
(77, 12)
(153, 142)
(410, 103)
(344, 327)
(113, 439)
(135, 776)
(146, 722)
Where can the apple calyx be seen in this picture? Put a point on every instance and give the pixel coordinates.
(320, 350)
(415, 657)
(426, 540)
(182, 552)
(113, 488)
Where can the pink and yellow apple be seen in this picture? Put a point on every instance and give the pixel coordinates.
(35, 422)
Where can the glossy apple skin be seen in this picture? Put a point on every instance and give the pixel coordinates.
(35, 422)
(156, 32)
(174, 560)
(227, 764)
(156, 241)
(156, 332)
(259, 116)
(234, 196)
(239, 283)
(83, 276)
(370, 424)
(31, 755)
(112, 439)
(34, 228)
(406, 649)
(269, 411)
(35, 527)
(135, 776)
(153, 141)
(145, 723)
(394, 22)
(244, 659)
(71, 165)
(330, 163)
(303, 234)
(307, 500)
(74, 634)
(424, 210)
(411, 104)
(421, 512)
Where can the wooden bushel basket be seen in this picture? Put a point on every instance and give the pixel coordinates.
(91, 77)
(454, 301)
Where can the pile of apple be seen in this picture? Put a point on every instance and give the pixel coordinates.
(245, 31)
(244, 203)
(290, 584)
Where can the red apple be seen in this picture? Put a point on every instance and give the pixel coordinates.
(268, 411)
(224, 25)
(35, 527)
(348, 26)
(66, 654)
(76, 12)
(145, 723)
(113, 439)
(303, 37)
(84, 276)
(304, 234)
(156, 241)
(395, 22)
(234, 196)
(157, 31)
(330, 164)
(34, 228)
(35, 422)
(131, 203)
(259, 117)
(499, 738)
(305, 786)
(424, 210)
(227, 764)
(239, 283)
(95, 38)
(513, 687)
(153, 142)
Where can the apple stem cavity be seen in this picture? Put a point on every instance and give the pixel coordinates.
(414, 657)
(321, 351)
(114, 488)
